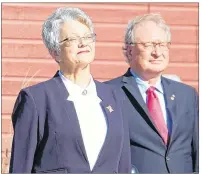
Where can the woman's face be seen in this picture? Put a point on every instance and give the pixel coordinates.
(77, 45)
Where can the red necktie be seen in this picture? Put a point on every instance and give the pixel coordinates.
(156, 113)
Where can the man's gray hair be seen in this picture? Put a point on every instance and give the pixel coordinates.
(51, 27)
(133, 24)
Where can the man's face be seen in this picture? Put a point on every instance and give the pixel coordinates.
(148, 58)
(77, 48)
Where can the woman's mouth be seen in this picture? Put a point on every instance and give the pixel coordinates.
(85, 51)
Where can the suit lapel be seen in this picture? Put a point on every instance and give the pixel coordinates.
(132, 87)
(171, 105)
(71, 113)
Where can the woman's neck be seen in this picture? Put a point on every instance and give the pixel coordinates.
(79, 76)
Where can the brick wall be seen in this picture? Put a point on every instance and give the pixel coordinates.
(25, 60)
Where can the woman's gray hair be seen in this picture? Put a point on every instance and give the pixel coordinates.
(133, 24)
(51, 27)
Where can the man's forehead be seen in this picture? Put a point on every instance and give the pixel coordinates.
(149, 31)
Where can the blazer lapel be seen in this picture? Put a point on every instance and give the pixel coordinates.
(130, 88)
(109, 109)
(71, 113)
(171, 105)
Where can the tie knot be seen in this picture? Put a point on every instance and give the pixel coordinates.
(151, 89)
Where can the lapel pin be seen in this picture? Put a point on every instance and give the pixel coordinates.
(110, 108)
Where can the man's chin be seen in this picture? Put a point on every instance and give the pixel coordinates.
(157, 67)
(156, 70)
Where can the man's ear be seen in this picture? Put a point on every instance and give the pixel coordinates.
(129, 52)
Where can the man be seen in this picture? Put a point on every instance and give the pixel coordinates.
(162, 113)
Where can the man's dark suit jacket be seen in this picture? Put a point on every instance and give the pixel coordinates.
(47, 136)
(148, 152)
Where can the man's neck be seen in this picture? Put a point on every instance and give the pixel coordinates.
(150, 78)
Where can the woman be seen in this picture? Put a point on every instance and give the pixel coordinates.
(70, 123)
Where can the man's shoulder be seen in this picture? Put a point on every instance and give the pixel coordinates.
(180, 86)
(115, 81)
(116, 84)
(108, 85)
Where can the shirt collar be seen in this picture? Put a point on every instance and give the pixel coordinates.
(144, 85)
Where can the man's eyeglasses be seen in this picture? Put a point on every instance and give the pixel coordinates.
(89, 38)
(152, 45)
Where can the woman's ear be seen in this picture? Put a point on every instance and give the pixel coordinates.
(55, 56)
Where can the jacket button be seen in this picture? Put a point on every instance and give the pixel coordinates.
(167, 158)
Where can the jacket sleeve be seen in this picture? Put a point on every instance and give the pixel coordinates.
(125, 160)
(25, 121)
(195, 140)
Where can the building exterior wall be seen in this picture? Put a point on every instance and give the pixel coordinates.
(25, 60)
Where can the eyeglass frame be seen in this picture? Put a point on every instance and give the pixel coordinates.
(78, 38)
(153, 44)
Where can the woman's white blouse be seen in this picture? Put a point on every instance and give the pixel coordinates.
(90, 115)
